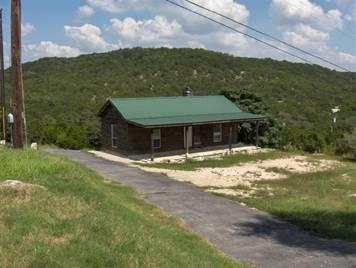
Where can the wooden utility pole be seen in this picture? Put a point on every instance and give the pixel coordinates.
(2, 81)
(16, 75)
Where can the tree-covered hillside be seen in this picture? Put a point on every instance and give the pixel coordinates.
(62, 91)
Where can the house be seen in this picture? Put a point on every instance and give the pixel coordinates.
(160, 124)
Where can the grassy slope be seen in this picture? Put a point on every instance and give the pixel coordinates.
(321, 203)
(299, 95)
(79, 220)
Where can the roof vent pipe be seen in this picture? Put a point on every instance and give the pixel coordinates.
(187, 92)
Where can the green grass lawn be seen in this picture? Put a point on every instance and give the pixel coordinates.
(225, 161)
(77, 219)
(322, 203)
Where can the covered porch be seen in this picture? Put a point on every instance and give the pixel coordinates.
(195, 153)
(197, 139)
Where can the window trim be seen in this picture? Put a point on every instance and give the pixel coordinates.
(159, 137)
(114, 136)
(217, 133)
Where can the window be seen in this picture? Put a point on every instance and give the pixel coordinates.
(156, 138)
(114, 135)
(217, 136)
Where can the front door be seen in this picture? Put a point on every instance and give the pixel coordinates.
(196, 136)
(189, 135)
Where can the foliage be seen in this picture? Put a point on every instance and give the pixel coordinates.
(72, 90)
(347, 145)
(302, 139)
(73, 218)
(247, 101)
(65, 135)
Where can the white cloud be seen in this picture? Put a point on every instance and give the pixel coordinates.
(195, 44)
(306, 37)
(6, 61)
(85, 11)
(304, 24)
(195, 24)
(306, 12)
(50, 49)
(316, 42)
(351, 16)
(345, 58)
(26, 29)
(112, 6)
(190, 22)
(88, 37)
(157, 30)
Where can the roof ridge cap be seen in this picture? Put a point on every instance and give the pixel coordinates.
(167, 97)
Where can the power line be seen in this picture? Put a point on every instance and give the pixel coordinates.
(267, 35)
(240, 32)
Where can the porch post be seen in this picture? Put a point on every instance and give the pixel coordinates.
(152, 148)
(186, 141)
(257, 134)
(230, 138)
(237, 132)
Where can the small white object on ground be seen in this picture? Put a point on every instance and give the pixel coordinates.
(18, 185)
(34, 146)
(2, 142)
(11, 183)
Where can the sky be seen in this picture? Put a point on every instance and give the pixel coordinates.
(68, 28)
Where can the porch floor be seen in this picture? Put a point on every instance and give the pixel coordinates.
(195, 153)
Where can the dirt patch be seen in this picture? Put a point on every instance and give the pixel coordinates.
(17, 191)
(246, 173)
(222, 180)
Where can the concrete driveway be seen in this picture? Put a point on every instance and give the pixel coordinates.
(245, 234)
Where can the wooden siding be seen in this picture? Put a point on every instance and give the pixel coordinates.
(112, 116)
(139, 139)
(136, 140)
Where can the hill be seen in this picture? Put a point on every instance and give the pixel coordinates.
(59, 91)
(65, 215)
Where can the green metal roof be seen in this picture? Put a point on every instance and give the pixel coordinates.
(181, 110)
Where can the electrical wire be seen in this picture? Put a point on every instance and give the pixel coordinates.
(267, 35)
(240, 32)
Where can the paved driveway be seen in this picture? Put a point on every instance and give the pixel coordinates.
(245, 234)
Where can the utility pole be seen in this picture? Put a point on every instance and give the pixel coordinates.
(2, 80)
(16, 75)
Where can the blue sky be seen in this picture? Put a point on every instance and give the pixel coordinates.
(67, 28)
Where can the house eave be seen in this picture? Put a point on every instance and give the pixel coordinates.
(247, 120)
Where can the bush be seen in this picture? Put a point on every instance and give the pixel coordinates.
(301, 139)
(68, 136)
(269, 130)
(347, 145)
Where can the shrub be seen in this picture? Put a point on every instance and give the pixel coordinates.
(347, 145)
(301, 139)
(68, 136)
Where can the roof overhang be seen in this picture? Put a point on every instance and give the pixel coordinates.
(140, 122)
